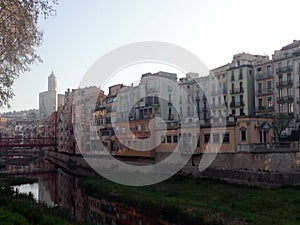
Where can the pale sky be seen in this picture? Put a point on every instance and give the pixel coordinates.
(83, 31)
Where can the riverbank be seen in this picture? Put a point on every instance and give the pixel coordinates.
(11, 181)
(18, 208)
(189, 201)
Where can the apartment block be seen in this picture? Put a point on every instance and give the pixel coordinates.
(218, 93)
(241, 84)
(265, 100)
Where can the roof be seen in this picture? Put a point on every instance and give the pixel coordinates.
(294, 44)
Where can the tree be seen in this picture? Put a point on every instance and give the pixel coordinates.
(281, 123)
(19, 38)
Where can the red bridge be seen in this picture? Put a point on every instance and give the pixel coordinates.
(28, 142)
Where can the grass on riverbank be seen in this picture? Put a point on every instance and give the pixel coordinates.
(205, 201)
(22, 209)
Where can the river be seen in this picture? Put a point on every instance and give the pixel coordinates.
(59, 188)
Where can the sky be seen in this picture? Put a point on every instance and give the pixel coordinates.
(214, 30)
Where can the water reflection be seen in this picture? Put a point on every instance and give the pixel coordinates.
(61, 188)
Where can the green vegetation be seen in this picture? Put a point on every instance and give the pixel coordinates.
(22, 209)
(205, 201)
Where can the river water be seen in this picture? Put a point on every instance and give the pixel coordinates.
(59, 188)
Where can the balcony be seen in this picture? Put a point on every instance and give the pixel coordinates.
(219, 92)
(265, 92)
(237, 104)
(288, 98)
(237, 90)
(284, 69)
(264, 76)
(264, 108)
(285, 83)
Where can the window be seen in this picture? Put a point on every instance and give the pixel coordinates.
(138, 127)
(188, 111)
(146, 128)
(226, 138)
(206, 138)
(259, 88)
(241, 99)
(169, 139)
(289, 91)
(175, 139)
(290, 108)
(216, 138)
(123, 130)
(155, 99)
(241, 74)
(260, 102)
(269, 86)
(281, 108)
(269, 72)
(289, 76)
(232, 75)
(270, 103)
(280, 93)
(259, 72)
(243, 135)
(242, 112)
(180, 99)
(163, 140)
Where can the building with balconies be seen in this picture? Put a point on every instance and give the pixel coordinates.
(241, 90)
(218, 92)
(287, 78)
(192, 106)
(265, 100)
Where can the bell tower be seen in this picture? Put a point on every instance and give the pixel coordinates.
(52, 82)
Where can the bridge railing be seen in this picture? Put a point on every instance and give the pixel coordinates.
(35, 141)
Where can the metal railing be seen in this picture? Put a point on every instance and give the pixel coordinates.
(263, 146)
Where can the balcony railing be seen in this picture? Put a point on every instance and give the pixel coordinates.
(288, 98)
(284, 69)
(284, 83)
(219, 92)
(237, 104)
(264, 92)
(264, 108)
(237, 90)
(264, 76)
(262, 146)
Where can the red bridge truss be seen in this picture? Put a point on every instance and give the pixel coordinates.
(28, 142)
